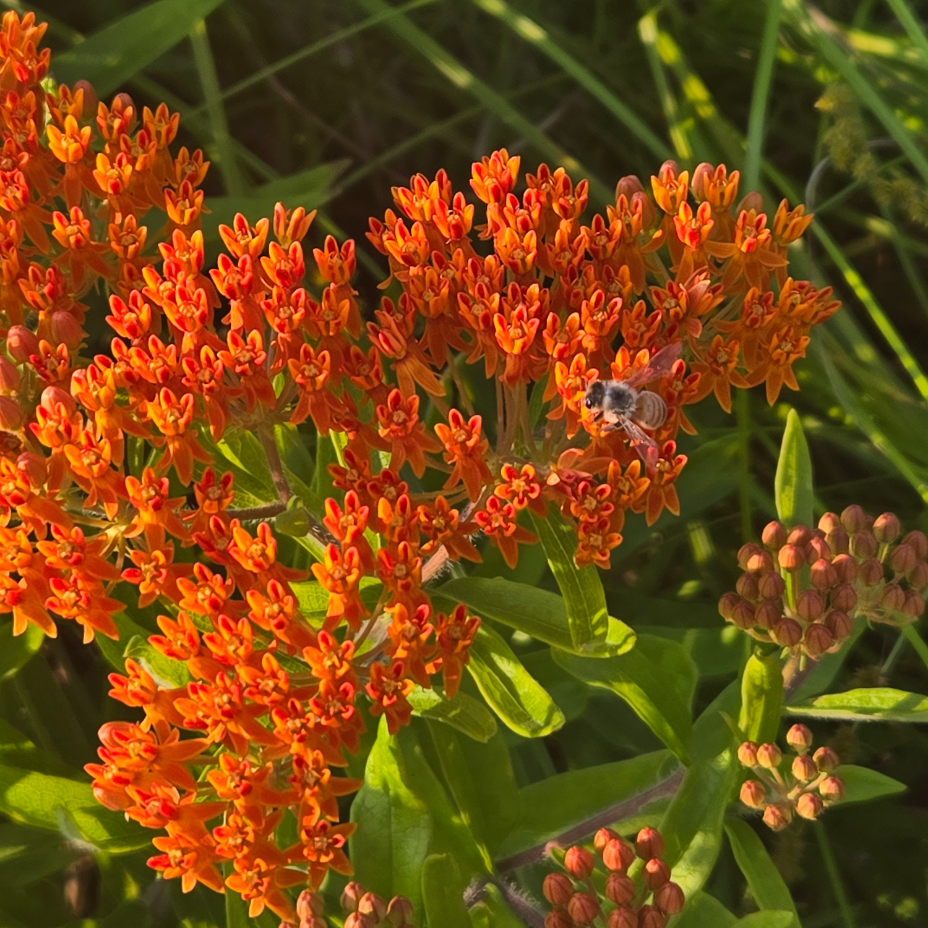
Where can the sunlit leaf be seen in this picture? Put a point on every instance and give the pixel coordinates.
(464, 713)
(761, 699)
(793, 482)
(861, 784)
(871, 704)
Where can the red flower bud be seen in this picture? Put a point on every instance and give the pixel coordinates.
(831, 789)
(804, 768)
(838, 540)
(791, 557)
(371, 904)
(787, 633)
(350, 896)
(727, 605)
(886, 528)
(916, 539)
(9, 376)
(743, 615)
(754, 794)
(843, 598)
(309, 904)
(769, 756)
(870, 572)
(400, 912)
(823, 574)
(778, 816)
(774, 535)
(817, 640)
(826, 760)
(799, 738)
(623, 917)
(809, 806)
(768, 613)
(845, 567)
(810, 605)
(800, 536)
(747, 586)
(863, 545)
(771, 585)
(618, 855)
(746, 552)
(918, 576)
(760, 562)
(357, 920)
(578, 862)
(670, 899)
(893, 597)
(649, 844)
(903, 559)
(584, 908)
(12, 414)
(558, 889)
(854, 519)
(559, 919)
(914, 605)
(651, 917)
(829, 521)
(620, 888)
(840, 624)
(656, 873)
(747, 754)
(603, 837)
(21, 343)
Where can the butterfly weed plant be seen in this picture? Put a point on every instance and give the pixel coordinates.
(278, 618)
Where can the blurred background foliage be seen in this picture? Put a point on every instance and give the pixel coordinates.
(329, 103)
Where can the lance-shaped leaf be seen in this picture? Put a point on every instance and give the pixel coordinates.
(704, 911)
(510, 691)
(464, 713)
(110, 57)
(536, 612)
(793, 482)
(764, 881)
(443, 892)
(872, 704)
(861, 784)
(761, 699)
(581, 587)
(656, 678)
(768, 919)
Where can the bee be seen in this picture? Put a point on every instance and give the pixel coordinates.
(622, 404)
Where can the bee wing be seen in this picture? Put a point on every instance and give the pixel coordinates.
(658, 366)
(643, 443)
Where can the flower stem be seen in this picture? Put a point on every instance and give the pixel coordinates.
(910, 633)
(834, 877)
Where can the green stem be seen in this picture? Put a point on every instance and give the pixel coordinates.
(743, 416)
(761, 94)
(834, 877)
(910, 633)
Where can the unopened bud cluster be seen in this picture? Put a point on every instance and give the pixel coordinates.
(800, 783)
(576, 902)
(362, 910)
(802, 589)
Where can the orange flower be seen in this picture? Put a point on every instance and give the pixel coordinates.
(454, 635)
(399, 423)
(388, 690)
(322, 845)
(466, 450)
(498, 521)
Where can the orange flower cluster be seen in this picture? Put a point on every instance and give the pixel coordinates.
(806, 785)
(576, 901)
(96, 454)
(856, 566)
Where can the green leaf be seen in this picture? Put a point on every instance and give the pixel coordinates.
(492, 911)
(717, 652)
(60, 804)
(111, 56)
(466, 714)
(761, 699)
(581, 587)
(656, 678)
(313, 599)
(443, 893)
(861, 784)
(16, 750)
(133, 642)
(692, 826)
(766, 919)
(403, 816)
(793, 481)
(509, 689)
(308, 189)
(872, 704)
(626, 792)
(704, 911)
(764, 881)
(539, 613)
(29, 854)
(481, 782)
(17, 650)
(253, 480)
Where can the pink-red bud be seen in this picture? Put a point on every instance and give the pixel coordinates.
(840, 624)
(914, 605)
(809, 806)
(769, 756)
(886, 528)
(670, 899)
(371, 904)
(828, 522)
(650, 916)
(623, 917)
(854, 519)
(768, 613)
(400, 912)
(760, 562)
(656, 873)
(774, 535)
(620, 888)
(754, 794)
(870, 572)
(843, 598)
(799, 738)
(801, 535)
(618, 855)
(791, 557)
(747, 754)
(351, 894)
(845, 567)
(918, 576)
(747, 586)
(578, 862)
(804, 769)
(21, 343)
(831, 789)
(823, 574)
(558, 889)
(863, 545)
(583, 908)
(771, 585)
(893, 597)
(778, 816)
(903, 559)
(603, 837)
(649, 844)
(746, 552)
(919, 542)
(838, 540)
(810, 605)
(826, 760)
(787, 633)
(817, 640)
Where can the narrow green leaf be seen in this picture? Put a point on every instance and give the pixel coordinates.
(656, 678)
(464, 713)
(861, 784)
(764, 881)
(793, 481)
(17, 650)
(704, 911)
(539, 613)
(761, 699)
(443, 892)
(768, 919)
(626, 792)
(581, 587)
(509, 689)
(482, 784)
(60, 804)
(872, 704)
(692, 826)
(115, 53)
